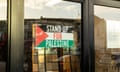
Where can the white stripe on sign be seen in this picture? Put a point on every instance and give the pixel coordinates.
(65, 36)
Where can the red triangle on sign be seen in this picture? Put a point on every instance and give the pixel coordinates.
(40, 35)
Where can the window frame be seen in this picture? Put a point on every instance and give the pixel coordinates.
(15, 17)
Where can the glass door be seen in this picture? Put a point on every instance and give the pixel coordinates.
(3, 35)
(107, 39)
(52, 36)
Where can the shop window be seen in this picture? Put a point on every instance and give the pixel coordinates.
(107, 39)
(58, 47)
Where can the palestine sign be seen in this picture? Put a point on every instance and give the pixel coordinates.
(49, 36)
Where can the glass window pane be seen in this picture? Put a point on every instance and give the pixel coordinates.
(52, 32)
(107, 39)
(3, 35)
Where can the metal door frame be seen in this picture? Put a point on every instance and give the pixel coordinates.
(15, 17)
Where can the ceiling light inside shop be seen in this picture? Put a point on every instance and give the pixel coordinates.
(52, 2)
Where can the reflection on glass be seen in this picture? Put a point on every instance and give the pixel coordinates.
(107, 39)
(3, 35)
(52, 36)
(113, 34)
(51, 9)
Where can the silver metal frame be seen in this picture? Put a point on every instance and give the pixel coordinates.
(15, 36)
(108, 3)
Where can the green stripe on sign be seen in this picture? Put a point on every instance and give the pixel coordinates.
(56, 43)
